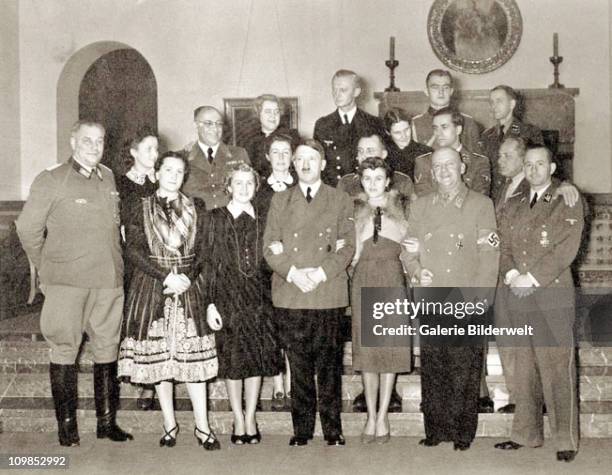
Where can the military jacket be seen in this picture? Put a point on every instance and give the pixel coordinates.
(458, 240)
(477, 174)
(207, 181)
(69, 227)
(340, 141)
(309, 232)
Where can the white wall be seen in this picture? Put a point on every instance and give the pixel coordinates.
(204, 50)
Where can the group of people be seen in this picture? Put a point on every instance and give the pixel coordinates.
(240, 259)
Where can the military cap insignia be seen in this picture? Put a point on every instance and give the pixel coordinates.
(547, 198)
(328, 143)
(571, 221)
(544, 241)
(515, 128)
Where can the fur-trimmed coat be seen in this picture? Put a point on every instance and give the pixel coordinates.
(395, 213)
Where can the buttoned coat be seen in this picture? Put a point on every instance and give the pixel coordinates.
(458, 240)
(477, 174)
(340, 141)
(309, 232)
(206, 181)
(69, 228)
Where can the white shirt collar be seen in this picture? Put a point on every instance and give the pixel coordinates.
(541, 191)
(138, 178)
(280, 184)
(205, 148)
(237, 209)
(350, 114)
(314, 188)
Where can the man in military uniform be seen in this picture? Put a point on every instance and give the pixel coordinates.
(439, 89)
(504, 103)
(211, 159)
(69, 228)
(541, 236)
(339, 131)
(305, 227)
(373, 146)
(448, 132)
(452, 243)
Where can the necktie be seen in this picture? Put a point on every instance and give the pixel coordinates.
(308, 195)
(210, 155)
(346, 121)
(533, 200)
(377, 224)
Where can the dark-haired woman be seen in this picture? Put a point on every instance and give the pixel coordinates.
(239, 311)
(138, 182)
(400, 146)
(164, 333)
(380, 226)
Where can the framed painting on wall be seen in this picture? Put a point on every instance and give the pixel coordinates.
(243, 121)
(474, 36)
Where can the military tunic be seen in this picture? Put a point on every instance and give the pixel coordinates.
(206, 180)
(459, 245)
(340, 141)
(422, 129)
(492, 138)
(543, 241)
(69, 228)
(477, 174)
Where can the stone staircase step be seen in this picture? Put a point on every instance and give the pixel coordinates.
(405, 424)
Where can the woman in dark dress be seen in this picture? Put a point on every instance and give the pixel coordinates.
(279, 150)
(380, 225)
(138, 182)
(401, 148)
(247, 347)
(164, 334)
(269, 110)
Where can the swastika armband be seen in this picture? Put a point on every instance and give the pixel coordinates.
(488, 238)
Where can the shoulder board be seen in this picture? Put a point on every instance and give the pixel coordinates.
(53, 167)
(403, 175)
(349, 176)
(424, 155)
(466, 115)
(476, 154)
(417, 116)
(104, 167)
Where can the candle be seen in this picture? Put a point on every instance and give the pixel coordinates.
(555, 44)
(392, 48)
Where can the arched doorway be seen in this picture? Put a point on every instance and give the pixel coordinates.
(111, 83)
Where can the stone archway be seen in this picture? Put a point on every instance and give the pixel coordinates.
(109, 82)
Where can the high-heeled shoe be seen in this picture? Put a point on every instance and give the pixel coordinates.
(254, 438)
(210, 443)
(237, 439)
(169, 440)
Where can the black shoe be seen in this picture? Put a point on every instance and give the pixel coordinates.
(507, 409)
(427, 442)
(508, 445)
(395, 404)
(461, 446)
(106, 393)
(278, 401)
(544, 410)
(336, 440)
(252, 439)
(566, 455)
(237, 439)
(146, 403)
(485, 405)
(210, 443)
(169, 440)
(359, 403)
(297, 441)
(65, 396)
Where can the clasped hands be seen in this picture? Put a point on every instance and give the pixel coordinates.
(176, 284)
(522, 285)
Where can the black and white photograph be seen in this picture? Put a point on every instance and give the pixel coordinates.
(306, 236)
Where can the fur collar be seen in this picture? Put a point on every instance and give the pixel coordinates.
(394, 208)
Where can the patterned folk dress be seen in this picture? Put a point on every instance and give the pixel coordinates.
(165, 337)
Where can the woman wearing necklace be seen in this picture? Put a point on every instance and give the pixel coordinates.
(279, 150)
(239, 310)
(138, 182)
(164, 334)
(380, 226)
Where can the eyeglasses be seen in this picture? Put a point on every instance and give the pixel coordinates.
(209, 124)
